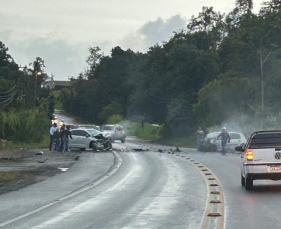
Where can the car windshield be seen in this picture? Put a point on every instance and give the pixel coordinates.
(108, 128)
(93, 132)
(267, 140)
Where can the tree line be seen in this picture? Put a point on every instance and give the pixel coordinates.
(24, 105)
(220, 67)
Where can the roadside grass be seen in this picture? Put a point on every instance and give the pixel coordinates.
(13, 146)
(149, 132)
(58, 105)
(8, 176)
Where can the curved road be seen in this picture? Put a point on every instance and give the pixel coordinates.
(154, 190)
(149, 190)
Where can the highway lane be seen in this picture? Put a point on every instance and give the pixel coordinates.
(243, 209)
(149, 190)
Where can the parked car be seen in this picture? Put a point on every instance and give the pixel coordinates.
(261, 158)
(89, 138)
(114, 132)
(89, 126)
(211, 144)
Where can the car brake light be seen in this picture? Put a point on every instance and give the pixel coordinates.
(250, 155)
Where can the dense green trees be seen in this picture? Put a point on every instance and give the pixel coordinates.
(221, 67)
(23, 117)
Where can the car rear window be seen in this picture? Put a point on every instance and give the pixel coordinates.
(268, 140)
(235, 136)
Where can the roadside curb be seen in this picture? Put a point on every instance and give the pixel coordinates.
(214, 214)
(116, 164)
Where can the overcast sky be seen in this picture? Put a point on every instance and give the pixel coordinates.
(61, 31)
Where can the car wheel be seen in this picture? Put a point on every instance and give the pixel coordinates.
(111, 140)
(82, 149)
(123, 140)
(242, 180)
(214, 148)
(93, 146)
(249, 183)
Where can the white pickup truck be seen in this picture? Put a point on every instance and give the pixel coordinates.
(261, 157)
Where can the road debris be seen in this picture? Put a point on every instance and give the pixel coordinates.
(40, 153)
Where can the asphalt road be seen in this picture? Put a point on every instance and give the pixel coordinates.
(244, 209)
(149, 190)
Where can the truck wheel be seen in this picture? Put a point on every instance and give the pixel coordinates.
(242, 180)
(249, 183)
(123, 140)
(82, 149)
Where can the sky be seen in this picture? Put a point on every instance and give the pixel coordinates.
(61, 31)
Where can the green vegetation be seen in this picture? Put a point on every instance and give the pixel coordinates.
(24, 106)
(114, 119)
(44, 143)
(6, 176)
(149, 132)
(221, 69)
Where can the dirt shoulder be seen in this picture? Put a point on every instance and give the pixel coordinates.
(20, 168)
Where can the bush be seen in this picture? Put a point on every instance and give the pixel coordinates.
(27, 125)
(114, 119)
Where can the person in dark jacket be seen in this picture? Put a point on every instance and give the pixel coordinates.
(56, 137)
(66, 136)
(225, 137)
(62, 129)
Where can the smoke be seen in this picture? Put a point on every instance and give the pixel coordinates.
(245, 124)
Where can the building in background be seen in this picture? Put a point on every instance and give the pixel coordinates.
(58, 85)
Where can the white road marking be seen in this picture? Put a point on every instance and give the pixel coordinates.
(64, 197)
(93, 203)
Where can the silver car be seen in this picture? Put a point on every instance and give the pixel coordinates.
(211, 143)
(85, 139)
(114, 132)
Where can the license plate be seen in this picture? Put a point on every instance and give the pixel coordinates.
(275, 168)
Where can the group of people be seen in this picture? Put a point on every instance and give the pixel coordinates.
(224, 135)
(59, 138)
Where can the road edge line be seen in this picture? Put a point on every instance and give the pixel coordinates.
(116, 164)
(210, 220)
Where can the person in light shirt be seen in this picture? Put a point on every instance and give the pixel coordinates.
(52, 130)
(225, 137)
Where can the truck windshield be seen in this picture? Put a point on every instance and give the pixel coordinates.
(266, 140)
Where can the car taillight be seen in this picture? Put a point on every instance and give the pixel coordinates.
(250, 155)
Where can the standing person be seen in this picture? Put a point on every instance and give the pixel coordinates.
(56, 137)
(62, 129)
(200, 136)
(66, 136)
(52, 130)
(225, 137)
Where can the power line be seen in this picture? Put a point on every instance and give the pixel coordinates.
(8, 98)
(5, 96)
(8, 90)
(8, 103)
